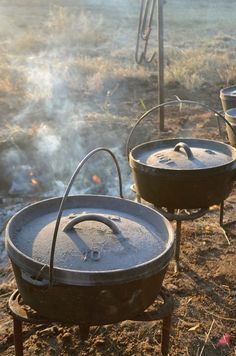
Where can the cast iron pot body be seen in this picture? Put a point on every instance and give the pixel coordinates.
(230, 115)
(228, 97)
(83, 296)
(183, 188)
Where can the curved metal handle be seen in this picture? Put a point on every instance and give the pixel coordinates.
(186, 148)
(170, 103)
(61, 208)
(92, 217)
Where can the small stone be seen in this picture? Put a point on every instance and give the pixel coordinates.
(52, 351)
(55, 330)
(59, 338)
(99, 342)
(172, 287)
(31, 350)
(66, 337)
(47, 331)
(38, 344)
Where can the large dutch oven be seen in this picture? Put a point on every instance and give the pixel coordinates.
(183, 173)
(89, 259)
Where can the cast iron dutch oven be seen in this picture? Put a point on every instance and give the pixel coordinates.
(99, 260)
(183, 173)
(228, 97)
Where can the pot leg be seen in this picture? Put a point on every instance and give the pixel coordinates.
(18, 341)
(84, 331)
(177, 245)
(165, 338)
(138, 198)
(222, 213)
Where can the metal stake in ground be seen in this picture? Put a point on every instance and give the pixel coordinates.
(161, 97)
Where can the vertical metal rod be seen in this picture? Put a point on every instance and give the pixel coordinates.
(161, 97)
(18, 341)
(177, 244)
(138, 198)
(219, 125)
(222, 213)
(165, 337)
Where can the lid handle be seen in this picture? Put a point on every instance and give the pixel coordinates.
(92, 217)
(63, 200)
(186, 148)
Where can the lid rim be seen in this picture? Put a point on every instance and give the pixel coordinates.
(136, 161)
(226, 92)
(92, 278)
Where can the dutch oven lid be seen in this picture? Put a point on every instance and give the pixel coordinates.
(229, 91)
(97, 235)
(183, 154)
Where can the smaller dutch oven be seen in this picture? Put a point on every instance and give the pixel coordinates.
(230, 115)
(228, 97)
(89, 259)
(183, 173)
(186, 173)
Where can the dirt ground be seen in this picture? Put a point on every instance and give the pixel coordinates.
(68, 85)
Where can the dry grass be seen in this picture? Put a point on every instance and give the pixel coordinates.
(11, 79)
(71, 51)
(29, 42)
(79, 29)
(194, 67)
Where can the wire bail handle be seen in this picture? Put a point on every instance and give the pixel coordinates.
(63, 200)
(170, 103)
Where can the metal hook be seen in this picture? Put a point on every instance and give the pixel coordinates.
(144, 30)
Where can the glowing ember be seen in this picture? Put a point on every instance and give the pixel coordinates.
(34, 181)
(96, 179)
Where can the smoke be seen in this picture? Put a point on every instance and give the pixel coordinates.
(67, 67)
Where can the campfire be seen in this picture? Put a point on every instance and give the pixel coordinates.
(96, 179)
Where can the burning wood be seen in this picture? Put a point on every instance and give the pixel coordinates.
(96, 179)
(34, 182)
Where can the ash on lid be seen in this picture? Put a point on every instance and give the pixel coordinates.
(91, 246)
